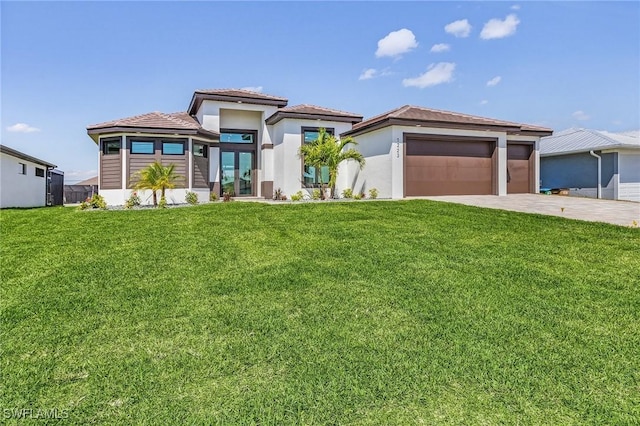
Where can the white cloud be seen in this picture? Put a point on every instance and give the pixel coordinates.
(396, 43)
(495, 80)
(368, 74)
(515, 7)
(253, 88)
(22, 128)
(439, 73)
(484, 102)
(495, 28)
(75, 176)
(440, 47)
(460, 28)
(580, 115)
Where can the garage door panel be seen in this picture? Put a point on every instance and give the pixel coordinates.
(519, 168)
(448, 167)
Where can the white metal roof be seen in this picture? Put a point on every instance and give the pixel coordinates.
(584, 140)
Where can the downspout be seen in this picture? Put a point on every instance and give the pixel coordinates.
(599, 192)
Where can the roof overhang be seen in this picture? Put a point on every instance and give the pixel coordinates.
(210, 136)
(603, 149)
(199, 97)
(280, 115)
(391, 121)
(21, 155)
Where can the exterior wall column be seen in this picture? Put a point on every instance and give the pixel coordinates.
(502, 164)
(536, 172)
(214, 168)
(189, 164)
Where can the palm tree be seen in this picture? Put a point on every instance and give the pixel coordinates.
(327, 151)
(156, 177)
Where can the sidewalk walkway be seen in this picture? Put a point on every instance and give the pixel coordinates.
(624, 213)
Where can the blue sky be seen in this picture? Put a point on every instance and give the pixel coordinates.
(66, 65)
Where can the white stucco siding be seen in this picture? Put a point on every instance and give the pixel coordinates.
(214, 115)
(117, 197)
(379, 149)
(287, 165)
(629, 180)
(21, 190)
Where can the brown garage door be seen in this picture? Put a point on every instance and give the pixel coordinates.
(451, 166)
(519, 168)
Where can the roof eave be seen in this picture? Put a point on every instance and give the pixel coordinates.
(15, 153)
(394, 121)
(199, 97)
(280, 115)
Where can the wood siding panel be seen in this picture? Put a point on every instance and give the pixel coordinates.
(110, 169)
(200, 172)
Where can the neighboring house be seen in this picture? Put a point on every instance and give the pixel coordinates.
(247, 143)
(27, 181)
(573, 159)
(79, 192)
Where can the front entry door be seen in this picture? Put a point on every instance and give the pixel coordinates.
(237, 171)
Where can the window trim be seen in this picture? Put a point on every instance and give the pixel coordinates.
(303, 130)
(22, 168)
(174, 142)
(106, 141)
(205, 150)
(239, 144)
(142, 140)
(41, 170)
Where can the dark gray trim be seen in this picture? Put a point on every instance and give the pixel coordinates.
(15, 153)
(199, 97)
(279, 115)
(425, 123)
(212, 136)
(114, 161)
(331, 131)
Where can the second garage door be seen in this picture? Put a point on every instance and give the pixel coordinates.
(451, 166)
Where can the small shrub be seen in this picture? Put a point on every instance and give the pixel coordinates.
(132, 201)
(213, 196)
(357, 197)
(316, 194)
(162, 203)
(278, 195)
(373, 193)
(226, 196)
(191, 198)
(347, 193)
(95, 202)
(297, 196)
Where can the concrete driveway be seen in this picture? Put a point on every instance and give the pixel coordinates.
(625, 213)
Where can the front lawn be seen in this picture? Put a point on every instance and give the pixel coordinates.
(409, 312)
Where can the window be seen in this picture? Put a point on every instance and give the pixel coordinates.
(22, 169)
(311, 176)
(172, 148)
(39, 172)
(236, 137)
(142, 147)
(111, 147)
(200, 150)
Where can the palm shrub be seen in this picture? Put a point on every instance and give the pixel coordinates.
(156, 177)
(327, 151)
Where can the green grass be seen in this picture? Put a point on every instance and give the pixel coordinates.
(410, 312)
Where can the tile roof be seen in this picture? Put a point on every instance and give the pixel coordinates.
(241, 93)
(585, 140)
(234, 95)
(429, 116)
(153, 120)
(313, 112)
